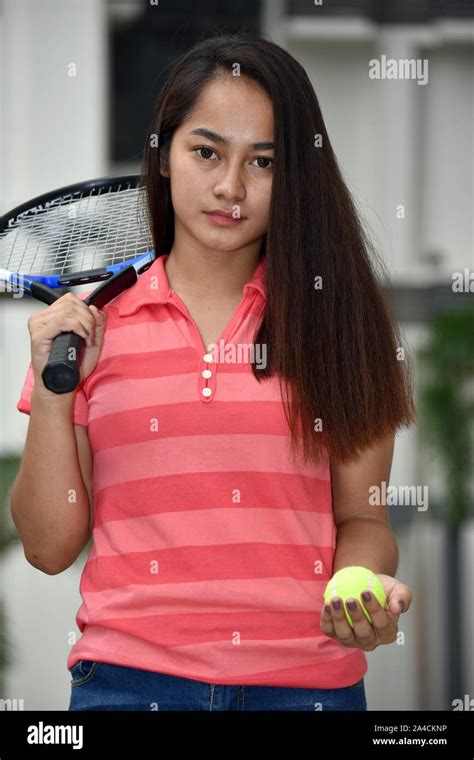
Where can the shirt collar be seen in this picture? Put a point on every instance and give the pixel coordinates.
(152, 287)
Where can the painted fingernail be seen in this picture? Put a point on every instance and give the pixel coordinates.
(327, 608)
(352, 606)
(366, 596)
(402, 606)
(336, 604)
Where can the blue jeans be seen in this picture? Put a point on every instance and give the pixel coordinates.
(102, 686)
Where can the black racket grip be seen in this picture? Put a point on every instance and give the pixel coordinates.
(61, 373)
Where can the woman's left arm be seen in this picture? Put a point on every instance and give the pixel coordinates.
(365, 537)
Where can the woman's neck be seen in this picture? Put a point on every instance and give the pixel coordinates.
(220, 276)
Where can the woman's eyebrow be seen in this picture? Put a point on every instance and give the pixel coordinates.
(214, 137)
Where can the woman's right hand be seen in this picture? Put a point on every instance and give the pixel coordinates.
(68, 314)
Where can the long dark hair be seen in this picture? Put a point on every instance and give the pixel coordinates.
(336, 348)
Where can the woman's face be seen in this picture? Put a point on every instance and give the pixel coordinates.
(207, 174)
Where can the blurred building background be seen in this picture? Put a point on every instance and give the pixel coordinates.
(399, 143)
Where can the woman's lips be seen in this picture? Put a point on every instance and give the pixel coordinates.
(224, 221)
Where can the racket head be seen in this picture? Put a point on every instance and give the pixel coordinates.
(77, 234)
(91, 231)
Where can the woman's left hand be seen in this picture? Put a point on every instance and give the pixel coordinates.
(384, 626)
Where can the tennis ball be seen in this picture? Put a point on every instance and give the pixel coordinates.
(350, 582)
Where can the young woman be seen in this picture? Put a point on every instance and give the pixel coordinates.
(235, 407)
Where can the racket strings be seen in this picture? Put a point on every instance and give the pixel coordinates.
(78, 232)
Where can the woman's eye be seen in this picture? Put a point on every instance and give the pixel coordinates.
(210, 151)
(264, 158)
(196, 150)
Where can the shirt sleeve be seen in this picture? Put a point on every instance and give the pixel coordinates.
(81, 408)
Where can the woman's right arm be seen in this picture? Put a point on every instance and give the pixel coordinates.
(51, 499)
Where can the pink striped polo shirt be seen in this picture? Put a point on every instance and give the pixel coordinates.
(211, 546)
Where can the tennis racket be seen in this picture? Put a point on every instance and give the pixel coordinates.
(97, 230)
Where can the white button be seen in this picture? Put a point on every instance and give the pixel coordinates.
(206, 373)
(208, 357)
(206, 391)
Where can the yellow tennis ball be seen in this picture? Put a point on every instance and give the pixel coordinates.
(350, 582)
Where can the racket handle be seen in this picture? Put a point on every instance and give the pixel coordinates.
(61, 372)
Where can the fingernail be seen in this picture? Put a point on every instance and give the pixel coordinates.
(402, 606)
(327, 608)
(336, 604)
(352, 606)
(366, 596)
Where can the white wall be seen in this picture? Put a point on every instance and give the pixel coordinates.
(448, 156)
(53, 125)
